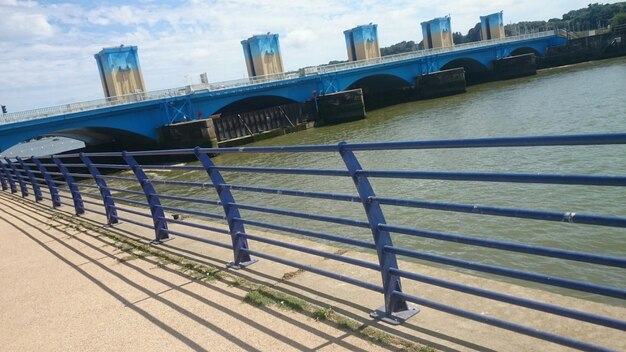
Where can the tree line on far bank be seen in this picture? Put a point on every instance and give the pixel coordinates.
(594, 16)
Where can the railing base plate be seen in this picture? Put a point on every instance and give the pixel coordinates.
(158, 242)
(395, 318)
(241, 265)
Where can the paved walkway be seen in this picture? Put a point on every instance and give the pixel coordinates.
(63, 289)
(67, 287)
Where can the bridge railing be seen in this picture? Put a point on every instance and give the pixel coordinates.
(427, 52)
(146, 194)
(26, 115)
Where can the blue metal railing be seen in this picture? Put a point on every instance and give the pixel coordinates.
(146, 197)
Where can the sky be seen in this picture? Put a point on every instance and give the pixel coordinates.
(47, 47)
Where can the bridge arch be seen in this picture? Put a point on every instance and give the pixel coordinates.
(475, 71)
(536, 48)
(97, 137)
(525, 50)
(382, 90)
(253, 103)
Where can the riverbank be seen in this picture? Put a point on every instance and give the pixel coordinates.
(80, 277)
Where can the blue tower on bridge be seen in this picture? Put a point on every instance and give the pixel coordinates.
(262, 53)
(437, 33)
(120, 72)
(362, 42)
(492, 26)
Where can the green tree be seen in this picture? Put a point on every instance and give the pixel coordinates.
(618, 19)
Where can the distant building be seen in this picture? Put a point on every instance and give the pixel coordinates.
(120, 72)
(262, 53)
(362, 42)
(492, 26)
(437, 33)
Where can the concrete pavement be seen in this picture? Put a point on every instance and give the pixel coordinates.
(68, 284)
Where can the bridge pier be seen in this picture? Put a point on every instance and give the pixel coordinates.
(341, 107)
(440, 84)
(188, 134)
(515, 66)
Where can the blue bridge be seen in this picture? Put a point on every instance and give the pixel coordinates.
(137, 117)
(147, 195)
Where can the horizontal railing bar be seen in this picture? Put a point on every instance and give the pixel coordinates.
(565, 341)
(96, 211)
(197, 238)
(88, 185)
(74, 174)
(75, 165)
(309, 233)
(172, 167)
(87, 201)
(111, 166)
(126, 191)
(66, 204)
(188, 199)
(497, 142)
(66, 197)
(132, 211)
(135, 153)
(288, 192)
(288, 171)
(325, 218)
(193, 212)
(120, 178)
(523, 302)
(513, 273)
(532, 141)
(619, 262)
(182, 183)
(131, 221)
(499, 177)
(311, 269)
(94, 195)
(130, 201)
(198, 226)
(309, 250)
(569, 217)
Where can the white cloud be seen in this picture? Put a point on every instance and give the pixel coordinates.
(21, 23)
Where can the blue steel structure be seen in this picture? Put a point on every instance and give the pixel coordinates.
(435, 30)
(489, 22)
(148, 203)
(140, 119)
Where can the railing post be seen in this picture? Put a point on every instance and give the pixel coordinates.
(9, 177)
(3, 178)
(79, 207)
(31, 177)
(158, 217)
(241, 259)
(19, 177)
(54, 191)
(109, 205)
(395, 310)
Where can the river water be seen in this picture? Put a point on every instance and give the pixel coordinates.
(583, 98)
